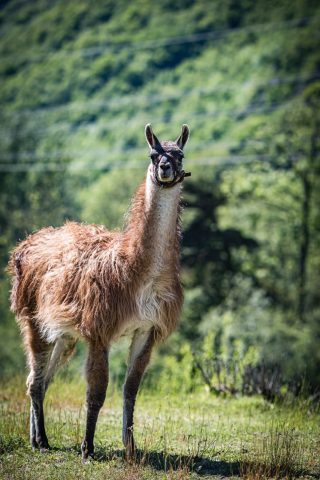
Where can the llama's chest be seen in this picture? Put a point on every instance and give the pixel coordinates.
(150, 301)
(156, 292)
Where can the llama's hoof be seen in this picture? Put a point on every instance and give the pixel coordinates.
(87, 458)
(34, 445)
(130, 454)
(43, 444)
(87, 452)
(129, 444)
(39, 445)
(44, 449)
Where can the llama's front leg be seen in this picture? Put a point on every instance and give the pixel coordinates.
(97, 382)
(139, 357)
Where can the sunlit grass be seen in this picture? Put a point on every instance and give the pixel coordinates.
(184, 436)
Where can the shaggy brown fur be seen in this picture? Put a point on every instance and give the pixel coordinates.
(85, 281)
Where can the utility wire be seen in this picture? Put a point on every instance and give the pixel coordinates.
(103, 152)
(66, 127)
(158, 98)
(164, 42)
(76, 166)
(28, 155)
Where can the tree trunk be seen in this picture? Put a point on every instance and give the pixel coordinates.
(305, 226)
(304, 245)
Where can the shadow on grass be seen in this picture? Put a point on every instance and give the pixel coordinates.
(162, 461)
(165, 462)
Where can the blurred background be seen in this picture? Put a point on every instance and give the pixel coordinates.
(79, 80)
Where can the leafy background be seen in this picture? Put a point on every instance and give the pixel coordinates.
(79, 81)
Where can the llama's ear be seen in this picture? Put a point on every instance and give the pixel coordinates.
(151, 138)
(182, 140)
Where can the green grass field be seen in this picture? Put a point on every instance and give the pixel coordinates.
(179, 437)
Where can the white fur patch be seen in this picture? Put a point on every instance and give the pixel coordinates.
(166, 202)
(139, 340)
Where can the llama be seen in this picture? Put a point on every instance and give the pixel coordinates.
(83, 281)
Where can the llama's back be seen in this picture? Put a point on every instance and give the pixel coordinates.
(46, 271)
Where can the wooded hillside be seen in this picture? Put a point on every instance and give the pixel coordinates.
(79, 81)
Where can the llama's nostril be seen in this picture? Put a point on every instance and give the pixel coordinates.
(164, 166)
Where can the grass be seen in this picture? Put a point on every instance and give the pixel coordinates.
(179, 437)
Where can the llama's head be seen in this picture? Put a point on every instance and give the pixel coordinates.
(167, 158)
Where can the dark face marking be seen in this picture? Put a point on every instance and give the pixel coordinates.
(167, 162)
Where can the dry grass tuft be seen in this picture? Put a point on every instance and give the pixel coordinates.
(279, 454)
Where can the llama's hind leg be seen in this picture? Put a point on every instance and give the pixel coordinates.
(38, 355)
(62, 351)
(97, 382)
(139, 357)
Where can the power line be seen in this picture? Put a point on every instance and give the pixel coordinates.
(164, 42)
(103, 152)
(27, 155)
(56, 167)
(111, 125)
(157, 98)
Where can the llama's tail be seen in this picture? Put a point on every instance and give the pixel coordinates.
(18, 265)
(15, 271)
(15, 264)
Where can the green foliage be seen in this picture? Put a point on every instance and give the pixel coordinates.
(98, 199)
(176, 373)
(224, 365)
(80, 81)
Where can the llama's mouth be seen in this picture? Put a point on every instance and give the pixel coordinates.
(165, 178)
(169, 177)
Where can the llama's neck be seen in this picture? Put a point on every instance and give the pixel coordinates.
(153, 228)
(163, 205)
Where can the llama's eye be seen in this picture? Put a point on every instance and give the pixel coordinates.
(153, 157)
